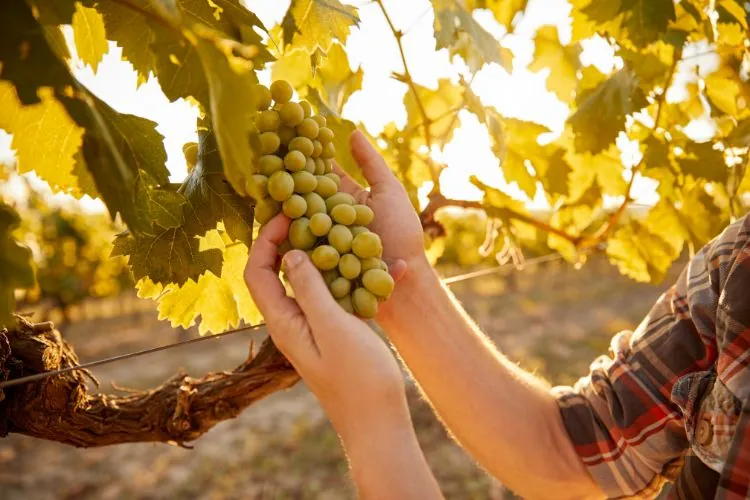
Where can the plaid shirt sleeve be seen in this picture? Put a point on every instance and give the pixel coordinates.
(675, 385)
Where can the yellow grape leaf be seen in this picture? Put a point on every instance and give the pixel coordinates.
(45, 138)
(639, 253)
(439, 105)
(313, 24)
(561, 60)
(294, 67)
(89, 35)
(335, 78)
(723, 90)
(220, 302)
(606, 168)
(503, 10)
(16, 264)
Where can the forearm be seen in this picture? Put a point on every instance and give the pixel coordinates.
(385, 459)
(503, 416)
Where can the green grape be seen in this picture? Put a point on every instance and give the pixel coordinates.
(269, 164)
(320, 120)
(310, 166)
(264, 96)
(384, 266)
(350, 266)
(268, 121)
(329, 276)
(301, 144)
(320, 224)
(284, 247)
(365, 303)
(280, 186)
(291, 114)
(329, 165)
(294, 207)
(315, 204)
(266, 209)
(281, 91)
(286, 134)
(370, 263)
(339, 199)
(295, 161)
(255, 186)
(269, 142)
(317, 148)
(343, 214)
(329, 150)
(335, 178)
(306, 108)
(325, 135)
(304, 182)
(340, 287)
(308, 128)
(365, 215)
(358, 229)
(326, 187)
(325, 257)
(366, 245)
(340, 238)
(320, 166)
(300, 235)
(346, 304)
(378, 282)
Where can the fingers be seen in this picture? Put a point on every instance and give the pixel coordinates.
(310, 290)
(261, 276)
(373, 165)
(398, 269)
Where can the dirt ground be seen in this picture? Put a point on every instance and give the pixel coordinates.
(553, 320)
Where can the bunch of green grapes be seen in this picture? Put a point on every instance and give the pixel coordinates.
(295, 176)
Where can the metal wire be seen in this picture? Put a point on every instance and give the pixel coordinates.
(448, 281)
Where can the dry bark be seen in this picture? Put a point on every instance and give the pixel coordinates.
(60, 408)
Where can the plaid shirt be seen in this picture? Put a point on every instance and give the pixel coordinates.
(672, 403)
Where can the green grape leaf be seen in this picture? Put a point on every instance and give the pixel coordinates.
(335, 79)
(640, 254)
(221, 302)
(89, 36)
(16, 264)
(504, 11)
(438, 105)
(602, 110)
(699, 214)
(702, 161)
(656, 154)
(561, 60)
(45, 139)
(650, 66)
(555, 173)
(173, 255)
(233, 105)
(314, 24)
(457, 31)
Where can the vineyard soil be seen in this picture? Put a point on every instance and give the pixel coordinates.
(555, 319)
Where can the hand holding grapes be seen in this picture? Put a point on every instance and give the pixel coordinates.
(349, 369)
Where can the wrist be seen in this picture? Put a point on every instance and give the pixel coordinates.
(416, 288)
(370, 424)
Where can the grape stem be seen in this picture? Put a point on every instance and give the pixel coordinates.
(407, 78)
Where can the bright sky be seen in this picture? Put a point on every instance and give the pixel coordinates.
(521, 94)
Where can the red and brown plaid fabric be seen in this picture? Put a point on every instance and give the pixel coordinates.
(671, 403)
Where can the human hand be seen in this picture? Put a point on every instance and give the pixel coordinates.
(348, 368)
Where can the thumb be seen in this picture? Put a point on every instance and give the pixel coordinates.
(310, 291)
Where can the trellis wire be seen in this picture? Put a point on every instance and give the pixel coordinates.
(448, 281)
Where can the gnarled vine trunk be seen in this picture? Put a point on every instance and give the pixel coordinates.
(60, 408)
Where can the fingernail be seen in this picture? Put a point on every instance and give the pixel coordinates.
(292, 259)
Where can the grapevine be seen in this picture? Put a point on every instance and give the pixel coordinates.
(295, 176)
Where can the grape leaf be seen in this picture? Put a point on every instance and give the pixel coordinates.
(740, 135)
(650, 66)
(702, 161)
(726, 89)
(561, 60)
(699, 214)
(45, 139)
(642, 21)
(294, 67)
(554, 174)
(438, 104)
(221, 302)
(602, 110)
(89, 36)
(54, 12)
(503, 10)
(16, 264)
(457, 31)
(604, 168)
(233, 105)
(173, 255)
(335, 79)
(313, 24)
(731, 11)
(639, 253)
